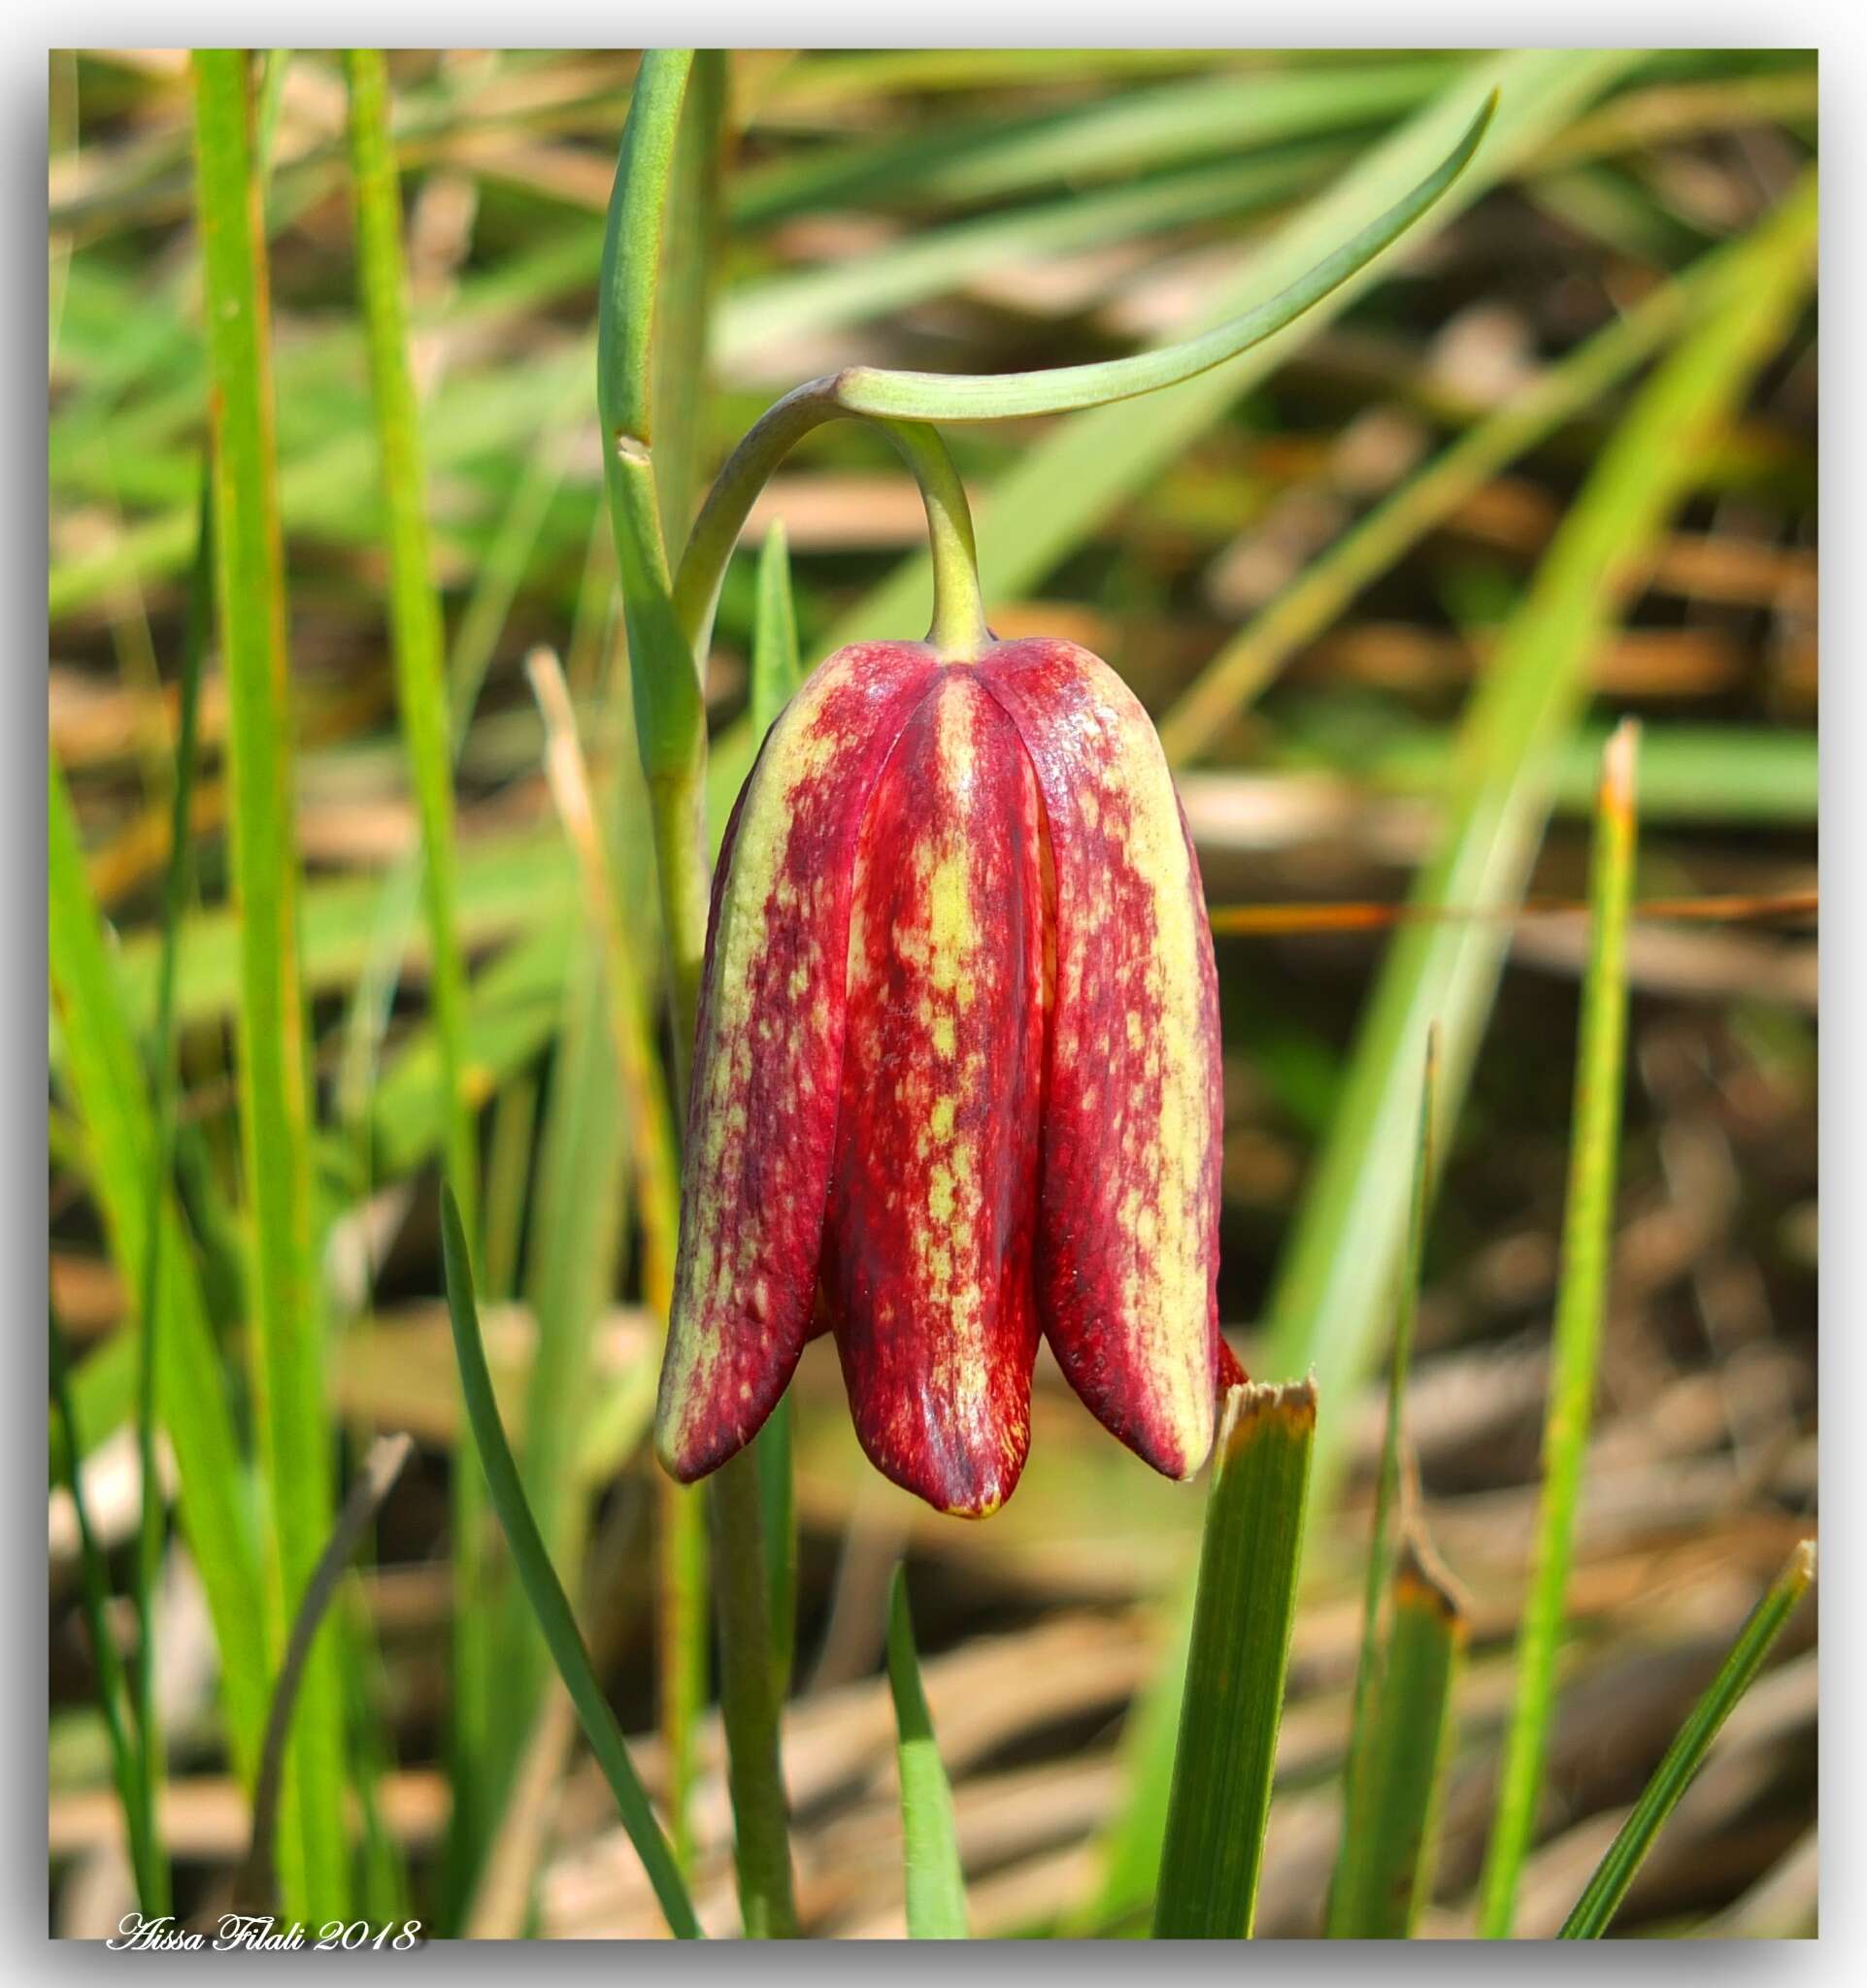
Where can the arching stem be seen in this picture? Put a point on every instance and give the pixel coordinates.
(959, 632)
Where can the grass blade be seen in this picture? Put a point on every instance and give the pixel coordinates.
(1363, 1723)
(683, 295)
(274, 1087)
(106, 1082)
(1588, 1240)
(1337, 1269)
(176, 886)
(1595, 1909)
(777, 668)
(546, 1592)
(1390, 1825)
(415, 606)
(416, 643)
(1060, 389)
(930, 1849)
(1241, 1647)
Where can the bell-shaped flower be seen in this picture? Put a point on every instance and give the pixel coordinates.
(956, 1076)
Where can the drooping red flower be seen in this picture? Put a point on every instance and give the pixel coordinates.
(956, 1076)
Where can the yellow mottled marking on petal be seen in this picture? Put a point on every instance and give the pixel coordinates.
(1171, 1238)
(940, 1194)
(797, 754)
(939, 936)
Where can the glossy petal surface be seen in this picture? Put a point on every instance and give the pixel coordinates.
(768, 1051)
(928, 1260)
(1127, 1245)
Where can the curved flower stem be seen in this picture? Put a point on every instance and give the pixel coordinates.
(901, 402)
(959, 633)
(959, 630)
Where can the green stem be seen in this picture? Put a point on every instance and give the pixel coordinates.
(749, 1703)
(678, 810)
(671, 734)
(175, 895)
(418, 643)
(275, 1102)
(959, 632)
(1595, 1909)
(1587, 1240)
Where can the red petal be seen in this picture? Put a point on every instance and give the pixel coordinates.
(1127, 1247)
(768, 1053)
(928, 1260)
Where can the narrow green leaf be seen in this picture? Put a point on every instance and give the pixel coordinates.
(929, 1846)
(416, 643)
(670, 715)
(176, 885)
(683, 310)
(683, 1644)
(777, 668)
(549, 1600)
(1060, 389)
(273, 1063)
(1390, 1827)
(580, 1210)
(1364, 1722)
(1587, 1244)
(683, 295)
(648, 1121)
(1241, 1649)
(749, 1706)
(1595, 1909)
(106, 1084)
(415, 606)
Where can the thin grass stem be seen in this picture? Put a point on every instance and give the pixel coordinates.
(1595, 1909)
(1587, 1238)
(275, 1100)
